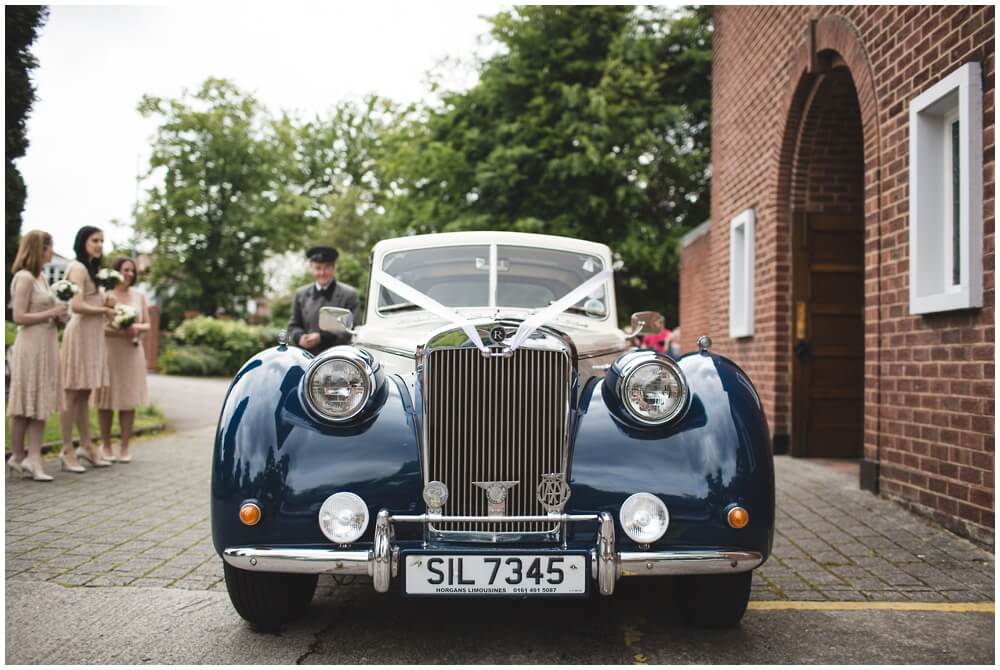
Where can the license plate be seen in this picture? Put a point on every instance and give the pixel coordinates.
(496, 574)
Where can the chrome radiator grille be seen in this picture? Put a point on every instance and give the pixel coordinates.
(495, 419)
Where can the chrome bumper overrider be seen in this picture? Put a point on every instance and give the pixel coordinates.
(381, 563)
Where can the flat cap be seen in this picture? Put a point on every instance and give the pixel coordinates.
(322, 254)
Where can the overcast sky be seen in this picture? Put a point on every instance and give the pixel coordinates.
(95, 63)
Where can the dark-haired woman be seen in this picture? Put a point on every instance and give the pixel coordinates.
(83, 362)
(35, 386)
(126, 365)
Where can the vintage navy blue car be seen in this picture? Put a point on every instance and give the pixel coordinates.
(491, 434)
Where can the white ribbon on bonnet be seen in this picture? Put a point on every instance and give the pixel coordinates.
(524, 331)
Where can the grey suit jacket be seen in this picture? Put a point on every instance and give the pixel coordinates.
(305, 313)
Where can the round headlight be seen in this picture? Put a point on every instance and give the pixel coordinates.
(654, 391)
(337, 386)
(644, 518)
(343, 517)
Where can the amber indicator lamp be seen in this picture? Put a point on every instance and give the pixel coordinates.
(249, 513)
(738, 517)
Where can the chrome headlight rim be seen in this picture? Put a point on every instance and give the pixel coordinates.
(636, 362)
(365, 365)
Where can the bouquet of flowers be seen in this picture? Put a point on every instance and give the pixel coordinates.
(108, 279)
(125, 316)
(64, 290)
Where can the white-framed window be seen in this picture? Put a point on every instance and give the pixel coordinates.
(741, 262)
(946, 194)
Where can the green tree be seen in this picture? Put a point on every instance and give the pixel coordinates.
(225, 201)
(23, 23)
(342, 162)
(591, 122)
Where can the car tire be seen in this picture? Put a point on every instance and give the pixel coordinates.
(268, 599)
(714, 601)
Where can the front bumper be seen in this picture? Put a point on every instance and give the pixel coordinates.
(381, 562)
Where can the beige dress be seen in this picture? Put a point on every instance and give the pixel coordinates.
(126, 365)
(35, 377)
(84, 363)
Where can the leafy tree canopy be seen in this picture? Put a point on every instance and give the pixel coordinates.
(225, 202)
(22, 25)
(345, 157)
(592, 122)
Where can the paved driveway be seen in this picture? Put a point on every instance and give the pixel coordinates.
(136, 537)
(188, 402)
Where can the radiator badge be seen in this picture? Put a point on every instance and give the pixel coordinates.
(496, 496)
(553, 492)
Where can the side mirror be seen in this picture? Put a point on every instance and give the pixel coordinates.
(336, 320)
(645, 323)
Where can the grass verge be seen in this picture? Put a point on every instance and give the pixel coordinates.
(146, 417)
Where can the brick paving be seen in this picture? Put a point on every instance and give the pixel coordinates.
(146, 524)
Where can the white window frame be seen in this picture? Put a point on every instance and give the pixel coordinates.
(956, 97)
(741, 272)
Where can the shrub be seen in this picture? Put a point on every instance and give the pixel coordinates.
(207, 346)
(281, 311)
(193, 361)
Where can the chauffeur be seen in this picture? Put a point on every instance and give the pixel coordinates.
(325, 291)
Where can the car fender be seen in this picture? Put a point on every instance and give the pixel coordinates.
(715, 455)
(271, 451)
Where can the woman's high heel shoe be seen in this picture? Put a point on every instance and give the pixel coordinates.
(63, 465)
(39, 476)
(14, 467)
(81, 454)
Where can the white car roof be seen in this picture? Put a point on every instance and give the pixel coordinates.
(491, 237)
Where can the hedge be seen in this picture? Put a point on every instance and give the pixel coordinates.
(204, 346)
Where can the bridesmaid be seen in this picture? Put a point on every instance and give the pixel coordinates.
(126, 365)
(82, 358)
(35, 385)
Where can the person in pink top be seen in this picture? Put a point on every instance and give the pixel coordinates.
(657, 341)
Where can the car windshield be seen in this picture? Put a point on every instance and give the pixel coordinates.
(526, 277)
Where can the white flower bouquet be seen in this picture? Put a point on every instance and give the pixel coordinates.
(64, 290)
(125, 316)
(108, 279)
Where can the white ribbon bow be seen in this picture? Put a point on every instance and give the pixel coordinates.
(538, 319)
(410, 294)
(524, 331)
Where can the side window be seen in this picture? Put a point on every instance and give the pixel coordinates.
(946, 194)
(741, 264)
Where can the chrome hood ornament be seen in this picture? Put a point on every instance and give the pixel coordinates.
(496, 496)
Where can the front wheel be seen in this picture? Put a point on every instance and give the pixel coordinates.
(268, 599)
(714, 601)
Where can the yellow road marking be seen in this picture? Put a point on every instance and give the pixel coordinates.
(862, 606)
(632, 635)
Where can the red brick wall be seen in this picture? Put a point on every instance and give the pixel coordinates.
(829, 160)
(695, 295)
(929, 392)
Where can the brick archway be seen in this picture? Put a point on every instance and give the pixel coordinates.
(831, 46)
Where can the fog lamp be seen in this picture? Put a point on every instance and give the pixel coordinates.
(343, 517)
(644, 518)
(738, 517)
(249, 513)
